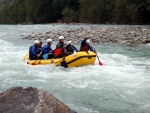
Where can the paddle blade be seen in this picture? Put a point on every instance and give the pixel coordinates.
(57, 52)
(100, 63)
(33, 63)
(45, 56)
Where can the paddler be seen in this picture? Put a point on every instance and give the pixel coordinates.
(60, 47)
(85, 44)
(47, 49)
(70, 47)
(33, 51)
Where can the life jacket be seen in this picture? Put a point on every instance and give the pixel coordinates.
(85, 48)
(38, 51)
(30, 52)
(61, 46)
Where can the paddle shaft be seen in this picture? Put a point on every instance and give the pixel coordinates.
(100, 63)
(57, 55)
(36, 59)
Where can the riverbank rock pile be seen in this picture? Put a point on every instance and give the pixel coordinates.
(119, 35)
(30, 100)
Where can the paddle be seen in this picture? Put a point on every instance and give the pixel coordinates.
(100, 63)
(57, 51)
(36, 59)
(34, 62)
(45, 56)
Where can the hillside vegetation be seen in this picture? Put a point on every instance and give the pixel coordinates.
(87, 11)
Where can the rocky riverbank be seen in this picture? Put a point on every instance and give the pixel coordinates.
(117, 35)
(30, 100)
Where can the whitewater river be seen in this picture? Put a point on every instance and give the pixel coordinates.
(122, 85)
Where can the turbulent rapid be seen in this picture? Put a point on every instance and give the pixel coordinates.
(120, 86)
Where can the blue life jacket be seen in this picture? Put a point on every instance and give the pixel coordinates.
(33, 51)
(46, 49)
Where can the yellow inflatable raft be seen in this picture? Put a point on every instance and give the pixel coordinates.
(73, 60)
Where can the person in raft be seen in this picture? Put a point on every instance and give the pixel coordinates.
(60, 47)
(47, 49)
(40, 47)
(85, 44)
(33, 51)
(61, 43)
(71, 48)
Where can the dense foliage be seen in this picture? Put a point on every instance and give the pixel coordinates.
(90, 11)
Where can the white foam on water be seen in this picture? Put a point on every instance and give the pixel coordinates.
(81, 109)
(121, 85)
(148, 44)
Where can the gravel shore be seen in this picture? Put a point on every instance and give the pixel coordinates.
(117, 35)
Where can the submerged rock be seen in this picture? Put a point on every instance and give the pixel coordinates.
(30, 100)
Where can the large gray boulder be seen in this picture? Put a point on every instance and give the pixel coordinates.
(30, 100)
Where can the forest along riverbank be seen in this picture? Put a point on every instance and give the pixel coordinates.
(118, 35)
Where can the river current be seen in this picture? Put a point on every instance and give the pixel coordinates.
(122, 85)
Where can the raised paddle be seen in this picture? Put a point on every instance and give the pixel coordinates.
(100, 63)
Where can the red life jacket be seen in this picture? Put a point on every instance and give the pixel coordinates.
(85, 48)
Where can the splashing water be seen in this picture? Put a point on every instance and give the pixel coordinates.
(120, 86)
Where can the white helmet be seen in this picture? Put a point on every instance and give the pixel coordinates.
(49, 40)
(87, 41)
(69, 42)
(36, 42)
(60, 37)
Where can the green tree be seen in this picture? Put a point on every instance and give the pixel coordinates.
(69, 15)
(91, 11)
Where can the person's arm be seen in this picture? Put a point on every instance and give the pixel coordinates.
(91, 48)
(83, 42)
(50, 50)
(75, 48)
(33, 50)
